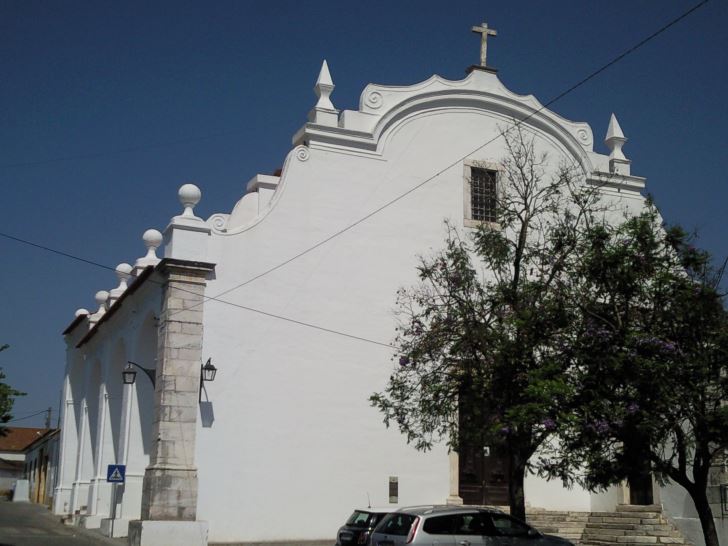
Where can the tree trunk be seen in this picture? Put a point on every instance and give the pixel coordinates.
(699, 494)
(516, 496)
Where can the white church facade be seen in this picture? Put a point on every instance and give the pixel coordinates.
(290, 297)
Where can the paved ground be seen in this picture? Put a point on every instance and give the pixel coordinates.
(27, 524)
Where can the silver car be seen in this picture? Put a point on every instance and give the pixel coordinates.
(458, 526)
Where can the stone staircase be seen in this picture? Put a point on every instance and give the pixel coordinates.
(568, 525)
(629, 525)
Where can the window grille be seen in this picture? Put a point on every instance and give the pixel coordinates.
(483, 195)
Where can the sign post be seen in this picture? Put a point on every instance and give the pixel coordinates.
(115, 474)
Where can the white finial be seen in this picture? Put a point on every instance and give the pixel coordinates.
(152, 240)
(101, 296)
(80, 313)
(123, 272)
(324, 87)
(615, 139)
(189, 196)
(186, 235)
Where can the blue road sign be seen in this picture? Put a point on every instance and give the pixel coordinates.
(116, 473)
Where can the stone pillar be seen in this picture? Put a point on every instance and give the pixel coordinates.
(454, 497)
(169, 497)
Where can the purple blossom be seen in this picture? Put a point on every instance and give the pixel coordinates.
(600, 426)
(404, 360)
(505, 430)
(549, 424)
(600, 333)
(657, 344)
(632, 408)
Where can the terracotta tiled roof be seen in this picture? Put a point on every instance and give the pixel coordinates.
(18, 439)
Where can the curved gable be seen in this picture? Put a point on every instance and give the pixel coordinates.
(381, 108)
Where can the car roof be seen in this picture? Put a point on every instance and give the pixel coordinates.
(446, 509)
(377, 510)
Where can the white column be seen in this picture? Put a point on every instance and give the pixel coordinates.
(79, 488)
(67, 456)
(99, 490)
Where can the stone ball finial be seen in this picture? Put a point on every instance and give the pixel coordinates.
(123, 271)
(101, 297)
(152, 240)
(189, 196)
(80, 312)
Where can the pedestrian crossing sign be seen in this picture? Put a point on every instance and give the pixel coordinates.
(116, 473)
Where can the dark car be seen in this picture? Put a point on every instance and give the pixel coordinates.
(458, 526)
(359, 526)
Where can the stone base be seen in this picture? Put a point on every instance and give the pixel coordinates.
(164, 533)
(115, 528)
(170, 494)
(62, 501)
(454, 500)
(90, 522)
(21, 493)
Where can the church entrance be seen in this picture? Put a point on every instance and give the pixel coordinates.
(483, 476)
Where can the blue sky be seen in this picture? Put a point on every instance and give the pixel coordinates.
(106, 108)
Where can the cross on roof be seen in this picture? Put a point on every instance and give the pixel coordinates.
(484, 32)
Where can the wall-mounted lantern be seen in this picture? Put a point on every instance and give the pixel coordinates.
(207, 373)
(129, 375)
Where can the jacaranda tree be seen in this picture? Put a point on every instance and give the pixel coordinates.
(483, 347)
(651, 380)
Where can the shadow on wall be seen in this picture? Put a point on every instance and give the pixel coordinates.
(207, 414)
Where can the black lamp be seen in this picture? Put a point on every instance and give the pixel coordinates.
(129, 375)
(207, 373)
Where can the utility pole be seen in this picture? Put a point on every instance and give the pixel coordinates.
(48, 417)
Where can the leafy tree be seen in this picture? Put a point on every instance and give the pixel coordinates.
(652, 349)
(7, 397)
(483, 346)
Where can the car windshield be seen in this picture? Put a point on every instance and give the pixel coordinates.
(395, 524)
(359, 519)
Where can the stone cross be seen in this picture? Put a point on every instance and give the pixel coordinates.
(484, 32)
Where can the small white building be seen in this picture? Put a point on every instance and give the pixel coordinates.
(290, 296)
(41, 465)
(27, 453)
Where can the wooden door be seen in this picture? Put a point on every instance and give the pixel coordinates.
(483, 476)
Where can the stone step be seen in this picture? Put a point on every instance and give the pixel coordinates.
(631, 539)
(614, 519)
(580, 518)
(602, 525)
(556, 523)
(608, 543)
(656, 530)
(639, 508)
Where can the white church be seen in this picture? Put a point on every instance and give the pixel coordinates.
(289, 298)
